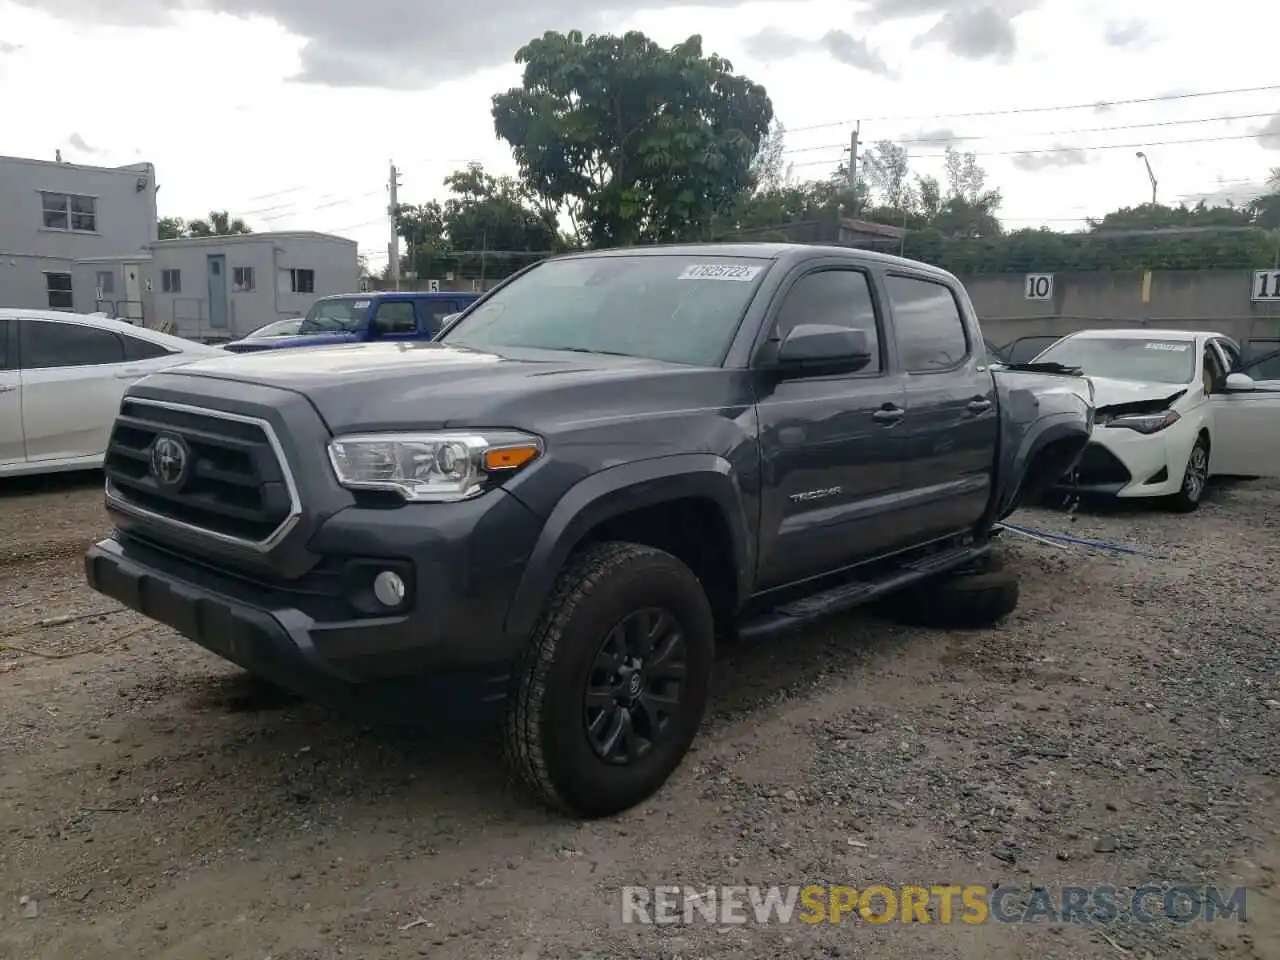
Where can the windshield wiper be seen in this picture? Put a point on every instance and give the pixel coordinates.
(607, 353)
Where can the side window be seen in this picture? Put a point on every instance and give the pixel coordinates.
(6, 361)
(395, 316)
(434, 312)
(837, 298)
(136, 349)
(927, 324)
(49, 344)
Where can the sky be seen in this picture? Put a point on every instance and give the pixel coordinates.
(288, 113)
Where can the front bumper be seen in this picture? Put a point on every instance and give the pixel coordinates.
(302, 634)
(1127, 464)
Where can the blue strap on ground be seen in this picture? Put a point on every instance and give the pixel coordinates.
(1081, 541)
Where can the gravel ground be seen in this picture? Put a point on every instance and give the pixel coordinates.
(1119, 729)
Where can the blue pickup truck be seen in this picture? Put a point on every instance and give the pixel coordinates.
(349, 318)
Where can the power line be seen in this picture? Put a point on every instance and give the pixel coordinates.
(1040, 150)
(1164, 98)
(1052, 133)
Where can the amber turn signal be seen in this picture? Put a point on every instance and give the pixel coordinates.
(509, 458)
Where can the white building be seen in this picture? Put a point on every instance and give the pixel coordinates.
(226, 287)
(53, 214)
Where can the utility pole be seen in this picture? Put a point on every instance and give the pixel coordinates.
(853, 155)
(393, 208)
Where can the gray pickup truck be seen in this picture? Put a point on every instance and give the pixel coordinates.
(598, 469)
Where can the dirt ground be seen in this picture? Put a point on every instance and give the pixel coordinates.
(1119, 729)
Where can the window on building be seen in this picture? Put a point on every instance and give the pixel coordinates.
(927, 324)
(69, 211)
(47, 343)
(837, 298)
(302, 281)
(106, 283)
(170, 281)
(58, 286)
(242, 280)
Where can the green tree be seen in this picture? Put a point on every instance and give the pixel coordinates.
(637, 143)
(1155, 216)
(171, 228)
(886, 167)
(769, 166)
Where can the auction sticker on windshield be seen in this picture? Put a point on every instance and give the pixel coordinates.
(360, 305)
(720, 271)
(1174, 347)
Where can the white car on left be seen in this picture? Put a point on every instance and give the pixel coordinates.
(62, 376)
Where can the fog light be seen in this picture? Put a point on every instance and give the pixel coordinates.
(388, 588)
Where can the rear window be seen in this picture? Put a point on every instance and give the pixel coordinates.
(676, 308)
(338, 315)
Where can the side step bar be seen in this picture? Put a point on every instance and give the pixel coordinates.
(846, 596)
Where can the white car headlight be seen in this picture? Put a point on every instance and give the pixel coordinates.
(431, 467)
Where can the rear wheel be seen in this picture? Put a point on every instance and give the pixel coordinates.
(615, 681)
(1195, 480)
(977, 596)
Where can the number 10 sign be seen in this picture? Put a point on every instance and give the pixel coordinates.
(1266, 285)
(1039, 286)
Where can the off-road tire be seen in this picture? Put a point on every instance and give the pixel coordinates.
(1189, 500)
(969, 599)
(545, 739)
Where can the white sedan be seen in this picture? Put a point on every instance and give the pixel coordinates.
(61, 379)
(1173, 409)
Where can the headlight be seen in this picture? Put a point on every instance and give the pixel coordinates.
(1145, 422)
(431, 467)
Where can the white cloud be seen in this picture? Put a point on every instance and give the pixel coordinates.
(210, 100)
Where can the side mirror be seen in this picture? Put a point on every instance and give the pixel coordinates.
(813, 349)
(1240, 383)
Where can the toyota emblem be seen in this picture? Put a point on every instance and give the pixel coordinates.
(169, 460)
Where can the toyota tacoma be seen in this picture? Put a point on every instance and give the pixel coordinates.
(594, 472)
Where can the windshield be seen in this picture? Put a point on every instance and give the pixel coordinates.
(336, 315)
(1141, 360)
(679, 308)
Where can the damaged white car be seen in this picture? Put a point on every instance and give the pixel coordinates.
(1173, 409)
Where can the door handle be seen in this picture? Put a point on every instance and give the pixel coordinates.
(979, 405)
(888, 415)
(7, 388)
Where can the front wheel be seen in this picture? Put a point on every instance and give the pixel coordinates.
(1195, 480)
(614, 683)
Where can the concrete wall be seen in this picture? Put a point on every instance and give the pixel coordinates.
(271, 255)
(1202, 299)
(125, 218)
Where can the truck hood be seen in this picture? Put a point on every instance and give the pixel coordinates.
(1109, 393)
(251, 345)
(425, 385)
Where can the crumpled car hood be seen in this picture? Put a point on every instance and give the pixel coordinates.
(1108, 395)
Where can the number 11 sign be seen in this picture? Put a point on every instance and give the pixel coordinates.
(1266, 285)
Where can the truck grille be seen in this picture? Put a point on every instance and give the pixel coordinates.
(220, 474)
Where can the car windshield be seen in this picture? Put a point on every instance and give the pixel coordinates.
(680, 308)
(336, 315)
(1142, 360)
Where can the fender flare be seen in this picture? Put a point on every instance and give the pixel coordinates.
(1062, 426)
(621, 489)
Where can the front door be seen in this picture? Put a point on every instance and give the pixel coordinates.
(1245, 438)
(951, 431)
(828, 443)
(217, 266)
(131, 305)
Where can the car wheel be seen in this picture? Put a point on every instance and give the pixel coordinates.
(614, 683)
(1195, 480)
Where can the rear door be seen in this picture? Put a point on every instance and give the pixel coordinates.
(432, 311)
(12, 449)
(947, 441)
(828, 443)
(73, 376)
